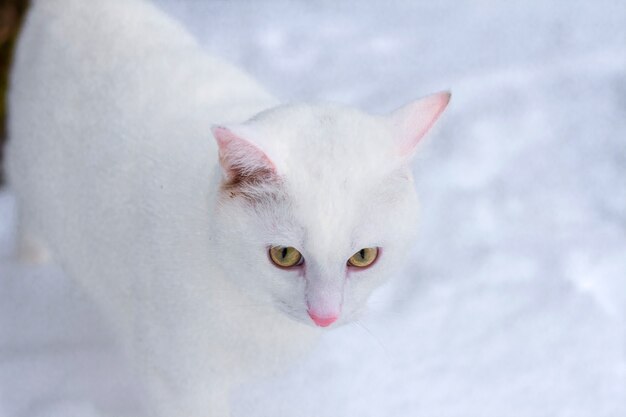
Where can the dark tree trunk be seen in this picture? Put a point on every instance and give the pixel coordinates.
(11, 15)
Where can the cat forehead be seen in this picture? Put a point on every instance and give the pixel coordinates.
(316, 139)
(332, 218)
(308, 116)
(337, 171)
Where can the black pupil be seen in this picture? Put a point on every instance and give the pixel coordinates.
(284, 253)
(362, 254)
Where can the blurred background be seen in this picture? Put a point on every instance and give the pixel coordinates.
(513, 303)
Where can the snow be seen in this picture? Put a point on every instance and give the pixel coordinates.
(515, 299)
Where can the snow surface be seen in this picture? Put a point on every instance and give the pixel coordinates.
(514, 303)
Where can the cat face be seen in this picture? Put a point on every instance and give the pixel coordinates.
(316, 206)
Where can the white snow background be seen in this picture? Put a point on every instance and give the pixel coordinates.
(514, 302)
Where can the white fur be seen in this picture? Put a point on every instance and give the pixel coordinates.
(113, 164)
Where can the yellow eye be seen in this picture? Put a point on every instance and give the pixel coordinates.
(364, 257)
(286, 256)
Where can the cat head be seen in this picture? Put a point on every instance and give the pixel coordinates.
(316, 205)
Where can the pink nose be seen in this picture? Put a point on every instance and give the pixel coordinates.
(323, 321)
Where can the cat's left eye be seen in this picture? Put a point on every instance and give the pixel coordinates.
(286, 256)
(363, 258)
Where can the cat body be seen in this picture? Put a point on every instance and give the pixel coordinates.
(167, 223)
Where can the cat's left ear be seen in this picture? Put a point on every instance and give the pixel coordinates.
(412, 121)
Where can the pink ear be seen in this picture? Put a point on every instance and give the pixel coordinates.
(415, 119)
(241, 161)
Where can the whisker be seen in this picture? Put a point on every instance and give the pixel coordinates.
(373, 336)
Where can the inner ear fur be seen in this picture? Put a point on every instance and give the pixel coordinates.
(414, 120)
(246, 170)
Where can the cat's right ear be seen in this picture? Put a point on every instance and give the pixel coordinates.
(242, 162)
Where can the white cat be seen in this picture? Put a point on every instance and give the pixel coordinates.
(209, 272)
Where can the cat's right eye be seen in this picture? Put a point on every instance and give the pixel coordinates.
(285, 256)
